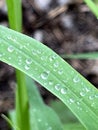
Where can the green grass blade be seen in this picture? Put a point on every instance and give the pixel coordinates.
(15, 14)
(46, 67)
(89, 55)
(92, 6)
(15, 22)
(42, 117)
(10, 122)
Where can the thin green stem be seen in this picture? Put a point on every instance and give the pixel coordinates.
(22, 111)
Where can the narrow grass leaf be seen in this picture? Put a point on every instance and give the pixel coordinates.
(93, 6)
(89, 55)
(46, 67)
(10, 122)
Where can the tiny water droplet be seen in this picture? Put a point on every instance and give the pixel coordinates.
(71, 100)
(9, 37)
(91, 97)
(50, 82)
(29, 61)
(44, 75)
(96, 95)
(10, 49)
(60, 71)
(56, 64)
(87, 89)
(64, 90)
(57, 87)
(52, 57)
(76, 79)
(27, 67)
(82, 94)
(34, 52)
(1, 54)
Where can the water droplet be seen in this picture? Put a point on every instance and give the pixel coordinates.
(93, 104)
(76, 79)
(78, 103)
(87, 89)
(1, 54)
(27, 67)
(52, 57)
(10, 48)
(64, 90)
(29, 61)
(56, 64)
(96, 95)
(50, 82)
(9, 37)
(44, 75)
(71, 100)
(60, 71)
(57, 87)
(91, 97)
(82, 94)
(34, 52)
(43, 58)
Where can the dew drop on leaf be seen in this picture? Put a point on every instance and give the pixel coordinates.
(10, 49)
(29, 61)
(51, 82)
(27, 67)
(44, 75)
(96, 95)
(82, 93)
(76, 79)
(91, 97)
(64, 90)
(57, 87)
(56, 64)
(1, 54)
(71, 100)
(52, 58)
(60, 71)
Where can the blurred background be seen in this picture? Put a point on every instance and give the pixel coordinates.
(67, 27)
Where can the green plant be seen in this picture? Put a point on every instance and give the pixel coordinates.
(46, 67)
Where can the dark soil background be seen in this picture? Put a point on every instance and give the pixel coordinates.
(66, 26)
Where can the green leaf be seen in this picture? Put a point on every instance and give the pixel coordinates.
(63, 112)
(42, 117)
(73, 126)
(40, 114)
(46, 67)
(89, 55)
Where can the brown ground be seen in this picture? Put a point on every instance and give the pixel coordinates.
(67, 29)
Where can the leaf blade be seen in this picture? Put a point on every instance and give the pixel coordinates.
(50, 70)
